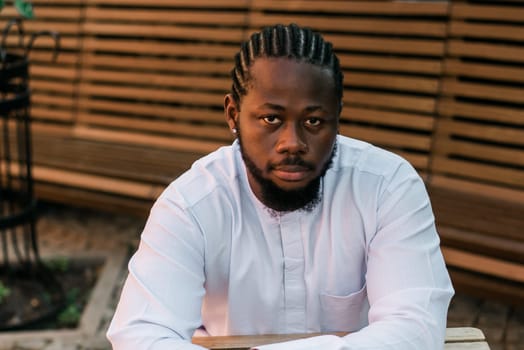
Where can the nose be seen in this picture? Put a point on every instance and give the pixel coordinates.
(291, 140)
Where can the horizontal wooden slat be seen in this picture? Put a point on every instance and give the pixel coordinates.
(39, 3)
(487, 265)
(62, 28)
(479, 172)
(390, 63)
(164, 31)
(492, 153)
(497, 246)
(496, 52)
(208, 131)
(390, 81)
(484, 286)
(58, 130)
(245, 342)
(125, 137)
(63, 58)
(42, 98)
(387, 118)
(500, 194)
(356, 7)
(487, 12)
(95, 200)
(175, 3)
(53, 71)
(484, 71)
(490, 133)
(51, 114)
(157, 80)
(485, 31)
(390, 101)
(152, 94)
(63, 87)
(92, 182)
(462, 334)
(49, 13)
(387, 45)
(386, 137)
(482, 90)
(98, 183)
(46, 42)
(172, 65)
(481, 111)
(160, 48)
(203, 16)
(197, 114)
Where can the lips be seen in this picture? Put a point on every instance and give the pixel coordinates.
(291, 172)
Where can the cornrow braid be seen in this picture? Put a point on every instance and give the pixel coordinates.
(292, 41)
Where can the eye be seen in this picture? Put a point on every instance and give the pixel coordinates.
(313, 121)
(272, 120)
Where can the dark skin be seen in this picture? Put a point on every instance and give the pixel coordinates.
(289, 121)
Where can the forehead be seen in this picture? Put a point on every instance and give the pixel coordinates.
(286, 78)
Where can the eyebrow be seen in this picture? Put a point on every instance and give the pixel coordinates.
(271, 106)
(281, 108)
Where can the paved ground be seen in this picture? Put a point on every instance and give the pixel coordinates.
(73, 231)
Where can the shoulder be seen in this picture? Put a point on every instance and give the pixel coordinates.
(361, 157)
(211, 175)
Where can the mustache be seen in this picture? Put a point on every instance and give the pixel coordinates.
(293, 161)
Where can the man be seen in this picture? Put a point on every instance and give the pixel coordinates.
(292, 228)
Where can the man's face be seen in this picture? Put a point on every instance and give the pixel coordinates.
(287, 126)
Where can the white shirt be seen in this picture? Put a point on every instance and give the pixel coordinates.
(366, 260)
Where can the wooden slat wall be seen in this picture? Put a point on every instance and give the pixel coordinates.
(391, 54)
(150, 75)
(480, 133)
(479, 137)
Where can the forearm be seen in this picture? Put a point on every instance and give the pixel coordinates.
(393, 334)
(148, 338)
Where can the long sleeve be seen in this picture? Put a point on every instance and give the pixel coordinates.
(160, 303)
(408, 286)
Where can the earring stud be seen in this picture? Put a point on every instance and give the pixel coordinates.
(234, 130)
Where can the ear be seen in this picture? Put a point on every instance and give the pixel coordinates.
(231, 111)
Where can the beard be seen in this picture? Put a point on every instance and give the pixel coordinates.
(281, 200)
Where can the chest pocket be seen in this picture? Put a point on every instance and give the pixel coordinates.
(347, 313)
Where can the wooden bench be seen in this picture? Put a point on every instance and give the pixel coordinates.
(136, 96)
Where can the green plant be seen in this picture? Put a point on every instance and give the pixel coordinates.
(4, 291)
(59, 264)
(24, 7)
(71, 314)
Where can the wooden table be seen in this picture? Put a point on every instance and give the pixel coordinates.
(456, 339)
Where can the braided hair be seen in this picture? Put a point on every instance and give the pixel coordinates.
(290, 41)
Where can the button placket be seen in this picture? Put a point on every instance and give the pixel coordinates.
(294, 284)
